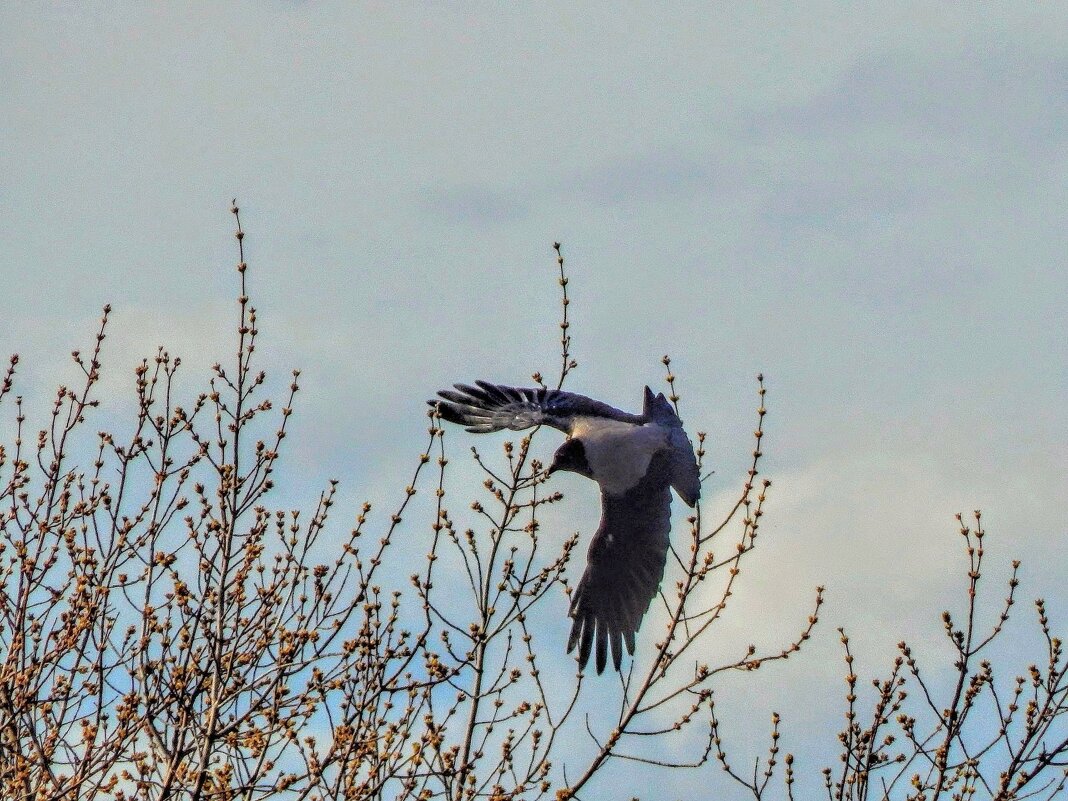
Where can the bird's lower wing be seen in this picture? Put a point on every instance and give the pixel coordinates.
(624, 568)
(489, 407)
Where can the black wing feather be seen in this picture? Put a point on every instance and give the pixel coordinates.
(487, 407)
(624, 568)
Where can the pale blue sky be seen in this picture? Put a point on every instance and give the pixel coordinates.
(868, 206)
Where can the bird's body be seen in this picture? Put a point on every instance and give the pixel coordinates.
(636, 460)
(618, 453)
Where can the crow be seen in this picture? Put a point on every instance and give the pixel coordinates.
(636, 459)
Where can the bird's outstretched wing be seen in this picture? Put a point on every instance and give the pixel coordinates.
(489, 407)
(624, 567)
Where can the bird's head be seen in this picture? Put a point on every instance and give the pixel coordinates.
(571, 456)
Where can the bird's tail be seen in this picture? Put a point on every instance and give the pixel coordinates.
(659, 410)
(685, 477)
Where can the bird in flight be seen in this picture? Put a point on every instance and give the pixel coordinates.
(636, 459)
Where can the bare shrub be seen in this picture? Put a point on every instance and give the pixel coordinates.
(955, 729)
(166, 633)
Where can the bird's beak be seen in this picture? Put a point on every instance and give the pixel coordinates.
(551, 470)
